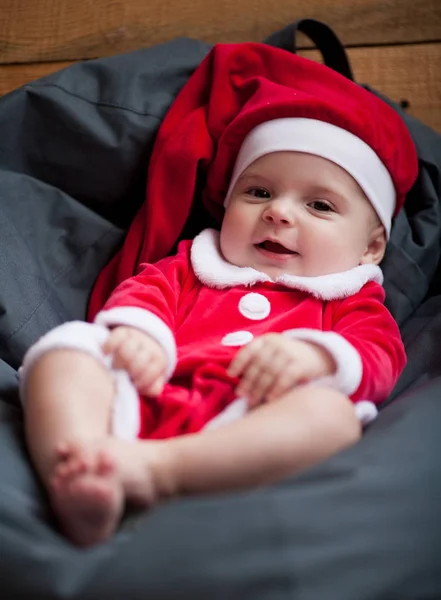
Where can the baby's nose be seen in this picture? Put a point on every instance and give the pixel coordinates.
(277, 219)
(278, 214)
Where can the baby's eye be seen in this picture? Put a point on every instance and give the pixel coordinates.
(321, 206)
(258, 192)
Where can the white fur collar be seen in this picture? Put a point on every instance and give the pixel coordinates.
(214, 271)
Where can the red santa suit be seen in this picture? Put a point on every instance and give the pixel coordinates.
(202, 309)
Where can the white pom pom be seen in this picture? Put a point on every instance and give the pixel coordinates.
(366, 411)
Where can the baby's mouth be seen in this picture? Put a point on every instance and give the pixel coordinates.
(275, 247)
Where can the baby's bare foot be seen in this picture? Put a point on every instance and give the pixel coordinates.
(87, 494)
(133, 463)
(92, 482)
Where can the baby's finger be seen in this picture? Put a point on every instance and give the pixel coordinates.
(248, 379)
(243, 358)
(240, 362)
(284, 383)
(154, 389)
(126, 353)
(140, 362)
(116, 337)
(148, 376)
(257, 393)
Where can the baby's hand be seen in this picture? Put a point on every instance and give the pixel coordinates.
(272, 364)
(141, 356)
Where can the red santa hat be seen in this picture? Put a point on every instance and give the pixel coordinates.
(236, 88)
(326, 140)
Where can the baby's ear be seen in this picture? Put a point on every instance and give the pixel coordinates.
(376, 248)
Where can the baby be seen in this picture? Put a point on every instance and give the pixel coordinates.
(246, 356)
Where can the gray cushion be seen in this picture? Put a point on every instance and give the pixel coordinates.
(365, 524)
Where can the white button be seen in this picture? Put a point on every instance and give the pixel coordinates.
(237, 338)
(254, 306)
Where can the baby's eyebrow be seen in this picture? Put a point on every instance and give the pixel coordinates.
(252, 177)
(329, 191)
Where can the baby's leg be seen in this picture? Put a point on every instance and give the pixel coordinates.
(273, 441)
(68, 398)
(68, 401)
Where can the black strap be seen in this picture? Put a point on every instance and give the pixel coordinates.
(324, 38)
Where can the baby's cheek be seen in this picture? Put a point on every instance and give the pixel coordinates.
(231, 248)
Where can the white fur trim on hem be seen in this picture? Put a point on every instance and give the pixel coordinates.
(349, 366)
(365, 412)
(147, 322)
(89, 338)
(233, 412)
(214, 271)
(125, 419)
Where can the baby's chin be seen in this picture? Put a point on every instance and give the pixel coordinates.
(273, 271)
(294, 267)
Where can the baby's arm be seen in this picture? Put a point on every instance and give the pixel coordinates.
(141, 356)
(360, 353)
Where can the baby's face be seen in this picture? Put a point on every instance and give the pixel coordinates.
(300, 214)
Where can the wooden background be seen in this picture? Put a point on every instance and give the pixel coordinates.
(394, 45)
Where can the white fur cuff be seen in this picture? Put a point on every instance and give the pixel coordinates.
(365, 412)
(233, 412)
(74, 335)
(89, 338)
(349, 371)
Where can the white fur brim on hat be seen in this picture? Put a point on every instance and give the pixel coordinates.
(328, 141)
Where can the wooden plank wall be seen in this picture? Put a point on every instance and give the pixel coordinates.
(394, 45)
